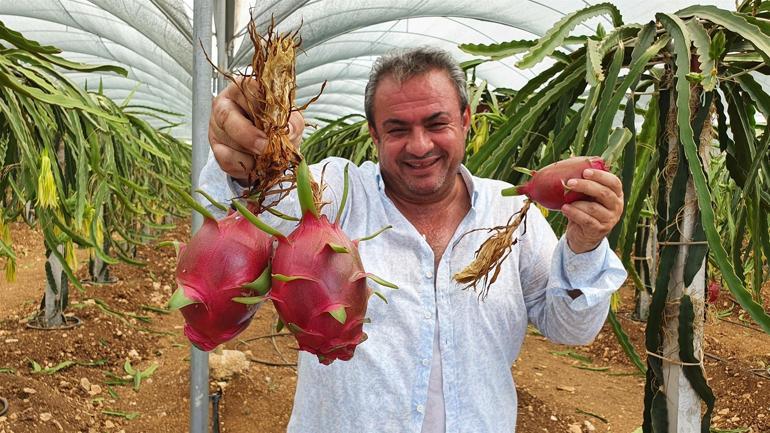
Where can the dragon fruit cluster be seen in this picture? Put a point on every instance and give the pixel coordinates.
(314, 277)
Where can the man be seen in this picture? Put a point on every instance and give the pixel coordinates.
(437, 358)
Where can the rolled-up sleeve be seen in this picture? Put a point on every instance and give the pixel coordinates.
(550, 269)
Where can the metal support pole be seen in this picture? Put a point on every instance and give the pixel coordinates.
(201, 110)
(222, 62)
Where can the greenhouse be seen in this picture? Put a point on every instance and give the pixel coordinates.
(239, 216)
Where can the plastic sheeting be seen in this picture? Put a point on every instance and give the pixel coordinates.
(153, 40)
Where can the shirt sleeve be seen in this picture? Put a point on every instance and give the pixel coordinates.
(549, 269)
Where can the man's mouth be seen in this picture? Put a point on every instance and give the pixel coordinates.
(421, 163)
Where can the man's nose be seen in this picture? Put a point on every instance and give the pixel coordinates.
(419, 143)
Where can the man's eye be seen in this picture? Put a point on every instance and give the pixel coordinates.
(437, 126)
(396, 131)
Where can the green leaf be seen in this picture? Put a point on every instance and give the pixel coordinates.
(373, 235)
(338, 248)
(180, 300)
(262, 284)
(248, 300)
(381, 282)
(344, 199)
(339, 314)
(287, 278)
(255, 220)
(559, 32)
(380, 295)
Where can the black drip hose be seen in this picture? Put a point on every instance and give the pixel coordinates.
(215, 408)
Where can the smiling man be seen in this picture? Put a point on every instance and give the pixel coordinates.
(437, 359)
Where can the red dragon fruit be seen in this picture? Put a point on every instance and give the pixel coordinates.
(548, 186)
(318, 281)
(216, 273)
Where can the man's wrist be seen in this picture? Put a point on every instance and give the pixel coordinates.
(580, 248)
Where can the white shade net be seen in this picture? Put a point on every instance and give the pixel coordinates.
(152, 39)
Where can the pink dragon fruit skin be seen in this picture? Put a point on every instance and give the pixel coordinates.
(319, 288)
(212, 269)
(547, 186)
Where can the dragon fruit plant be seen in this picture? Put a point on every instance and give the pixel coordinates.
(319, 286)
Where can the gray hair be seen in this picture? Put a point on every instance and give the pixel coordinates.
(408, 63)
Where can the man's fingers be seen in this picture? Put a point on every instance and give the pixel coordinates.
(586, 221)
(236, 164)
(230, 126)
(601, 193)
(605, 178)
(600, 213)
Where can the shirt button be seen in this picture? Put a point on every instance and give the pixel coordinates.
(429, 274)
(426, 362)
(571, 268)
(420, 408)
(428, 314)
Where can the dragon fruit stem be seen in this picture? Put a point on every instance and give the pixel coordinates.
(255, 220)
(338, 248)
(211, 200)
(514, 190)
(192, 202)
(305, 190)
(287, 278)
(344, 195)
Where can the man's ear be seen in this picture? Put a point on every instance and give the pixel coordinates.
(373, 134)
(466, 119)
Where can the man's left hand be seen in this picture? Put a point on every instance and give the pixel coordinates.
(591, 221)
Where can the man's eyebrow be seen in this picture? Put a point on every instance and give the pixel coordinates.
(399, 122)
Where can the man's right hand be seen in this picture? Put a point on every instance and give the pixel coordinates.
(232, 135)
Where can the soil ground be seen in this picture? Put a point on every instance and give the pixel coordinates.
(82, 384)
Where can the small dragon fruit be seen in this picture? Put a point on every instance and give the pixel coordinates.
(548, 186)
(216, 272)
(318, 281)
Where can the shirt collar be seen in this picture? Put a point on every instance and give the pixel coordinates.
(470, 183)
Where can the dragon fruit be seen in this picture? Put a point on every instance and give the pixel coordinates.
(548, 186)
(319, 284)
(216, 273)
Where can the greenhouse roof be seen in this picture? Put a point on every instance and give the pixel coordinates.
(153, 40)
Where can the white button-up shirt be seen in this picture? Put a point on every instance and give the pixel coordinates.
(431, 325)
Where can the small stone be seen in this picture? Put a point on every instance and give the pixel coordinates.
(95, 390)
(11, 340)
(155, 285)
(109, 424)
(133, 354)
(553, 418)
(29, 391)
(45, 417)
(590, 427)
(566, 388)
(85, 384)
(724, 411)
(575, 428)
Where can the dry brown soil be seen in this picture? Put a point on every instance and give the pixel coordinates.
(562, 389)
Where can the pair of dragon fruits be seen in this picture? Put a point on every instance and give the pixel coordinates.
(313, 276)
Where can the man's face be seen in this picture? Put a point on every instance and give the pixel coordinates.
(420, 135)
